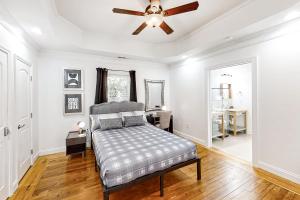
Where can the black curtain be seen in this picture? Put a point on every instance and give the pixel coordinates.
(101, 86)
(133, 96)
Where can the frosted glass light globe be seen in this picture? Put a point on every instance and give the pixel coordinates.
(154, 20)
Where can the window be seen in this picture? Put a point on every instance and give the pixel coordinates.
(118, 86)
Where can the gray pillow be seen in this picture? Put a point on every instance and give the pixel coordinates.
(107, 124)
(134, 121)
(95, 119)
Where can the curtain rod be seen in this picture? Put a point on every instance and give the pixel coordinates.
(116, 70)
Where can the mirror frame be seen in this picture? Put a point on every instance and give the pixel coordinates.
(162, 82)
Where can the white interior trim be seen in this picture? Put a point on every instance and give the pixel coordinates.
(15, 185)
(280, 172)
(255, 140)
(187, 136)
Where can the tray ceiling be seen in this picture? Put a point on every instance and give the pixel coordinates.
(89, 26)
(95, 16)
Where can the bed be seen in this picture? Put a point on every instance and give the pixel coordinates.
(130, 155)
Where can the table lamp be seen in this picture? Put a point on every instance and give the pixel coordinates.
(81, 126)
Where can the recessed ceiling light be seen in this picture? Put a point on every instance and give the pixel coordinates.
(122, 57)
(292, 15)
(184, 57)
(36, 31)
(229, 38)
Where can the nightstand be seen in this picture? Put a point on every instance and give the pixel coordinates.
(76, 143)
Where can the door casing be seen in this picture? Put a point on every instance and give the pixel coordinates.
(255, 97)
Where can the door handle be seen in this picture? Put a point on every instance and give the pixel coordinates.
(6, 131)
(21, 126)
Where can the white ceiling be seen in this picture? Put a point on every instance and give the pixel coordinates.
(96, 16)
(89, 26)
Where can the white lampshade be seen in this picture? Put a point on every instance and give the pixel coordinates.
(164, 108)
(154, 20)
(81, 124)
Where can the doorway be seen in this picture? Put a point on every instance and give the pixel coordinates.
(230, 107)
(23, 115)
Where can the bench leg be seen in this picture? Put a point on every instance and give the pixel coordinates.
(105, 195)
(161, 185)
(96, 166)
(199, 169)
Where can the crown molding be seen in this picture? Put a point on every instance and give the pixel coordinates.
(11, 22)
(214, 21)
(242, 42)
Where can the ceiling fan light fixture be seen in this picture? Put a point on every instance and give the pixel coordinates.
(154, 15)
(155, 6)
(154, 20)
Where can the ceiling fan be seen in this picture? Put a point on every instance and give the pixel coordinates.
(155, 14)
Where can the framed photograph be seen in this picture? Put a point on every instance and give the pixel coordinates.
(73, 104)
(73, 79)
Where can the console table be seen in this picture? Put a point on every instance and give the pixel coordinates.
(233, 115)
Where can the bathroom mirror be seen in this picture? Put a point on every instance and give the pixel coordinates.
(226, 91)
(154, 94)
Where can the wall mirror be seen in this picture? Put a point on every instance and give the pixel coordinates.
(155, 90)
(226, 91)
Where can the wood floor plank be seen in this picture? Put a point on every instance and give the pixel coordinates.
(59, 177)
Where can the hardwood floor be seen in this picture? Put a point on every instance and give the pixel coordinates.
(59, 177)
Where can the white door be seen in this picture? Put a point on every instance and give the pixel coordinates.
(3, 128)
(23, 110)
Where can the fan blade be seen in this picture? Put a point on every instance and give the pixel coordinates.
(166, 28)
(142, 27)
(128, 12)
(182, 9)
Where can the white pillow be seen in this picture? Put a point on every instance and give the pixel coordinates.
(95, 119)
(141, 113)
(126, 114)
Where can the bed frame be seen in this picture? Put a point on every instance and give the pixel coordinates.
(126, 106)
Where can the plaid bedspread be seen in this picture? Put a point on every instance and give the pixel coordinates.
(129, 153)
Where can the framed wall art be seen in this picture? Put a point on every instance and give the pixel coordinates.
(73, 79)
(73, 104)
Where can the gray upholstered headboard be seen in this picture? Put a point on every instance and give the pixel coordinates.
(116, 107)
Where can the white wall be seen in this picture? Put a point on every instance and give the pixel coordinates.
(16, 46)
(53, 125)
(278, 149)
(241, 83)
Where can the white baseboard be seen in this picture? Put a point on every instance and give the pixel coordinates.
(52, 151)
(194, 139)
(265, 166)
(14, 187)
(35, 157)
(280, 172)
